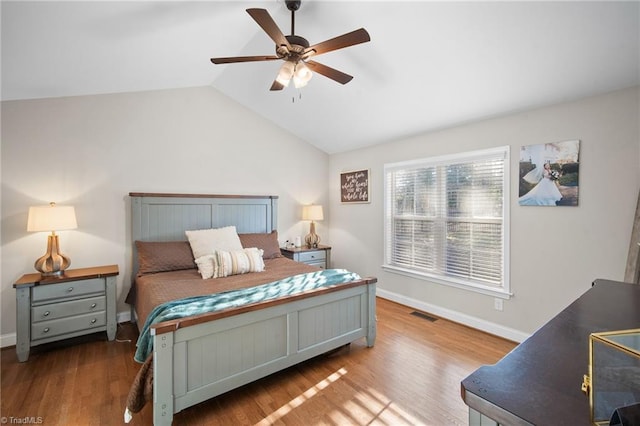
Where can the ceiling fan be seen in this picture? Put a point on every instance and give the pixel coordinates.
(296, 52)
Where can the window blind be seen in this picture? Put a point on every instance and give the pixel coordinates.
(445, 216)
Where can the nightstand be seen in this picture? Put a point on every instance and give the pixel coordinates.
(82, 301)
(317, 256)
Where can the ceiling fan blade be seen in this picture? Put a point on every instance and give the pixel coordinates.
(276, 86)
(243, 59)
(266, 22)
(345, 40)
(332, 73)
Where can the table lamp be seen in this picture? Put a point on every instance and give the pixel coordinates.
(312, 212)
(52, 218)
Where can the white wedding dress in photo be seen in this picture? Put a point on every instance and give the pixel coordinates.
(545, 193)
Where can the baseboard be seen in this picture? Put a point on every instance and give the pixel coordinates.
(468, 320)
(7, 340)
(10, 338)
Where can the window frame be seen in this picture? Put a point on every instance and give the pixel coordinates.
(503, 152)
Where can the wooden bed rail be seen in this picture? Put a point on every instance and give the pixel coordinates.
(175, 195)
(173, 325)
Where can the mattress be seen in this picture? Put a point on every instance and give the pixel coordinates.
(154, 289)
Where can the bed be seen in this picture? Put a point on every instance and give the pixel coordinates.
(197, 357)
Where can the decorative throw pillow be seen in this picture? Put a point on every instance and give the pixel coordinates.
(267, 242)
(206, 241)
(163, 256)
(237, 262)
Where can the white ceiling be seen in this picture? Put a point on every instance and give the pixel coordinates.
(429, 64)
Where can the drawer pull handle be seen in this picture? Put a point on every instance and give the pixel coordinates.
(70, 289)
(45, 330)
(93, 321)
(93, 305)
(46, 314)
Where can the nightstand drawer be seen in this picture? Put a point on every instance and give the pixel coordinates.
(46, 329)
(68, 289)
(320, 264)
(312, 256)
(67, 309)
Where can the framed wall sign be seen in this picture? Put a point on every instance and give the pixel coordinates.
(354, 186)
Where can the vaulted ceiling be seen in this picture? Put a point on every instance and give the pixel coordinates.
(428, 65)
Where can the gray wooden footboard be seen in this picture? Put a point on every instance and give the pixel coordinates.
(198, 362)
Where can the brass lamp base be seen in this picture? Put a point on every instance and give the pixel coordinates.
(312, 239)
(53, 263)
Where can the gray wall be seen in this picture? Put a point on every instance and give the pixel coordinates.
(556, 252)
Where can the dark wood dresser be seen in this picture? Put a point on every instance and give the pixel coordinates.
(539, 382)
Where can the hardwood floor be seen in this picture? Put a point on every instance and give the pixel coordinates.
(411, 376)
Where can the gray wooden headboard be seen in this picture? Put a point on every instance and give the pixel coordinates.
(166, 217)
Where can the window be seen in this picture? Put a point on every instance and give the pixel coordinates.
(446, 219)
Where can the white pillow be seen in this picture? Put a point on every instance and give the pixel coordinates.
(237, 262)
(207, 241)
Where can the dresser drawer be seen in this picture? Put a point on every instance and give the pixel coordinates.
(67, 309)
(312, 256)
(68, 289)
(46, 329)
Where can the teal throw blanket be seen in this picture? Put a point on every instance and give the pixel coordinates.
(230, 299)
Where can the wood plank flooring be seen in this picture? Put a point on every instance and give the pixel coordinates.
(410, 377)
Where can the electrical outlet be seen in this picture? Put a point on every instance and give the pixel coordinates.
(498, 304)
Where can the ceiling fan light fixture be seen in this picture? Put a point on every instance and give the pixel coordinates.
(301, 75)
(286, 72)
(294, 50)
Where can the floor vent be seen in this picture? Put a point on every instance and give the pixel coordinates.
(424, 316)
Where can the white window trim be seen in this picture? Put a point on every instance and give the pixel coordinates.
(503, 292)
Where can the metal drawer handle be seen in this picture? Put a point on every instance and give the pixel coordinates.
(70, 289)
(45, 330)
(93, 305)
(46, 314)
(93, 321)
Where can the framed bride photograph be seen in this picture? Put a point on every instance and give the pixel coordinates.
(549, 174)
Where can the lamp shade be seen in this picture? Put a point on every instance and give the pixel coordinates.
(51, 218)
(301, 75)
(285, 74)
(312, 212)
